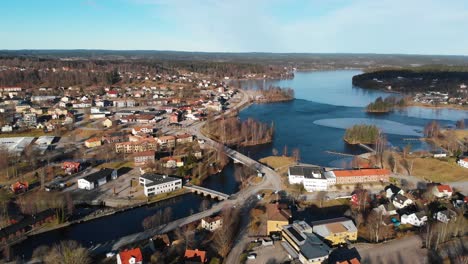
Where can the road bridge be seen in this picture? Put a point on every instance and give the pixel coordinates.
(207, 192)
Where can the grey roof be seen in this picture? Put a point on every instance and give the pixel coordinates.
(103, 173)
(306, 171)
(395, 189)
(309, 244)
(400, 198)
(322, 229)
(157, 179)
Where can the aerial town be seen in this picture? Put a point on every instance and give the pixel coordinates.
(233, 132)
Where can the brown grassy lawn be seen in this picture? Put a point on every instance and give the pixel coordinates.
(462, 135)
(277, 161)
(439, 170)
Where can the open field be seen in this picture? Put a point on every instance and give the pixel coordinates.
(279, 163)
(439, 170)
(461, 134)
(30, 133)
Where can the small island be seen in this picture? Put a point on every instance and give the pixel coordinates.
(361, 134)
(385, 105)
(272, 94)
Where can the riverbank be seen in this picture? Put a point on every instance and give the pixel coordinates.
(103, 213)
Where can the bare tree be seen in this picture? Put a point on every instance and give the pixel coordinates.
(321, 196)
(296, 154)
(224, 237)
(68, 252)
(391, 162)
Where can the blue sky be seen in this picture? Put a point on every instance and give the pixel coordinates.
(317, 26)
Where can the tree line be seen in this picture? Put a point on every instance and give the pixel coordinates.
(385, 105)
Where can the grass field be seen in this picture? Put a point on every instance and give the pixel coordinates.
(462, 134)
(439, 170)
(116, 165)
(277, 161)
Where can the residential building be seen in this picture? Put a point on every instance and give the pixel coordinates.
(415, 219)
(442, 191)
(445, 216)
(184, 138)
(114, 137)
(175, 117)
(107, 123)
(386, 209)
(130, 256)
(212, 223)
(156, 183)
(140, 158)
(401, 201)
(137, 146)
(195, 256)
(303, 245)
(276, 218)
(166, 141)
(336, 231)
(172, 162)
(463, 162)
(96, 179)
(93, 142)
(361, 176)
(312, 177)
(142, 130)
(392, 190)
(71, 167)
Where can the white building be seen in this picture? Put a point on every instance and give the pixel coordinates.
(463, 162)
(445, 216)
(312, 177)
(414, 219)
(442, 191)
(212, 223)
(156, 183)
(96, 179)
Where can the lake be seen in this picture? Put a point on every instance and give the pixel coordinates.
(326, 104)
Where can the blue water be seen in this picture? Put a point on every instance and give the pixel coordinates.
(327, 103)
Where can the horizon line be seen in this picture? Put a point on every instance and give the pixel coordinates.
(239, 52)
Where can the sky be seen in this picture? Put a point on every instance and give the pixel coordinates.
(312, 26)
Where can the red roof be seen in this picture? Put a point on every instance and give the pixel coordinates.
(465, 159)
(126, 255)
(361, 172)
(195, 253)
(445, 188)
(112, 92)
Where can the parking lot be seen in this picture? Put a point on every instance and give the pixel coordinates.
(269, 254)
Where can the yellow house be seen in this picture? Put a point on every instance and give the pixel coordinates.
(93, 142)
(107, 122)
(336, 231)
(276, 218)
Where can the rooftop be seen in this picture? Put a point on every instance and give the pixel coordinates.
(333, 226)
(360, 172)
(103, 173)
(306, 171)
(126, 255)
(157, 179)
